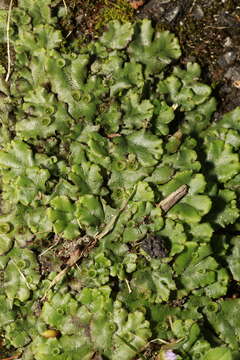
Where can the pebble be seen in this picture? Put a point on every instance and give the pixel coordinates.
(233, 73)
(172, 14)
(152, 9)
(227, 42)
(197, 12)
(227, 59)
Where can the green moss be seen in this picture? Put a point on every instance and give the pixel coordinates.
(117, 10)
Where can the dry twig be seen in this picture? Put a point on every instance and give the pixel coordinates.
(11, 357)
(65, 6)
(22, 275)
(8, 40)
(173, 198)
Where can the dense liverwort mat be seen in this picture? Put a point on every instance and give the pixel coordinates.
(92, 140)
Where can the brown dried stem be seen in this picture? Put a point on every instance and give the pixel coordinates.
(8, 40)
(173, 198)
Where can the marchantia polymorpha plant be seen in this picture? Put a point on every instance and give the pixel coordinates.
(92, 139)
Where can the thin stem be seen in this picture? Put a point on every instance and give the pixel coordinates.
(8, 40)
(65, 5)
(128, 286)
(110, 226)
(20, 272)
(12, 357)
(50, 247)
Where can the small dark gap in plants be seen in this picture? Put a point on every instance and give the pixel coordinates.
(209, 332)
(177, 121)
(154, 245)
(233, 290)
(115, 287)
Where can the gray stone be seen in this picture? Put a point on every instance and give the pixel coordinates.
(170, 15)
(233, 73)
(79, 19)
(227, 59)
(228, 42)
(230, 57)
(197, 12)
(152, 9)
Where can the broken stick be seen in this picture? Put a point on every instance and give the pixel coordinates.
(173, 198)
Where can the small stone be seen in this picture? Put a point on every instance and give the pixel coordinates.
(236, 84)
(230, 57)
(50, 333)
(233, 73)
(79, 19)
(197, 12)
(227, 59)
(227, 42)
(152, 9)
(172, 14)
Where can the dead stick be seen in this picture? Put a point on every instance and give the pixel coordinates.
(12, 357)
(173, 198)
(8, 41)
